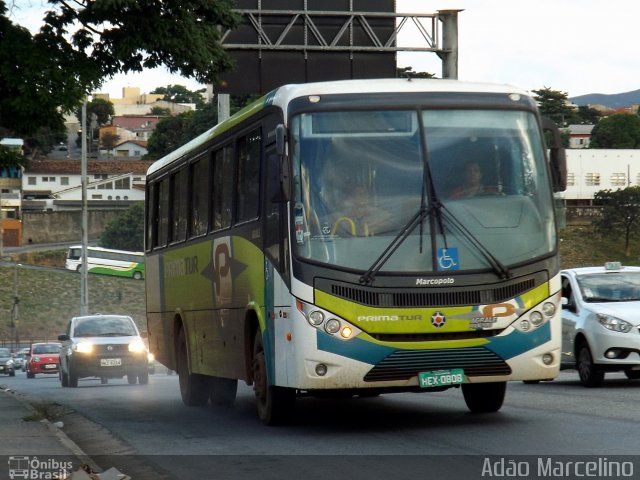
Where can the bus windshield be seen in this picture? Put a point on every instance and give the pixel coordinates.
(480, 176)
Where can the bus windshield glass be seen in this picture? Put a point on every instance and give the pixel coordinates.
(478, 176)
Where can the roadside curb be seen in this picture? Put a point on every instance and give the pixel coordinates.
(62, 437)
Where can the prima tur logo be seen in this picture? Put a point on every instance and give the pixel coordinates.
(438, 319)
(33, 467)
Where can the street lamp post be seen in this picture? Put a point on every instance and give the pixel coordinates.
(14, 311)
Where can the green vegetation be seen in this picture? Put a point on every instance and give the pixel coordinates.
(49, 298)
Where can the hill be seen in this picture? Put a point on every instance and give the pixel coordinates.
(615, 100)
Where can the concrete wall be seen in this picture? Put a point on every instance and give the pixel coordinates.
(64, 226)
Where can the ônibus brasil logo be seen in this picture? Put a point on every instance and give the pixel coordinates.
(438, 319)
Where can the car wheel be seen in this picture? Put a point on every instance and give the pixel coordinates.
(30, 375)
(132, 378)
(484, 397)
(137, 276)
(143, 377)
(275, 404)
(194, 388)
(73, 378)
(12, 373)
(104, 380)
(64, 379)
(590, 374)
(223, 391)
(632, 374)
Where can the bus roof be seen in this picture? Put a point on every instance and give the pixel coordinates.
(112, 250)
(284, 94)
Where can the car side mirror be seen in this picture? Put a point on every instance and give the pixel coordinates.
(63, 337)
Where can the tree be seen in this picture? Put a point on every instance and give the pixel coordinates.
(101, 108)
(109, 140)
(621, 130)
(168, 135)
(620, 214)
(407, 72)
(588, 115)
(181, 94)
(126, 231)
(46, 75)
(160, 111)
(554, 104)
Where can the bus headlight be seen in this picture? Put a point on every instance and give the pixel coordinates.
(316, 318)
(327, 322)
(332, 326)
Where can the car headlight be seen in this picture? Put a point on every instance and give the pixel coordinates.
(613, 323)
(150, 357)
(36, 359)
(83, 347)
(137, 346)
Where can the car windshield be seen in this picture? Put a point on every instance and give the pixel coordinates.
(52, 348)
(610, 287)
(104, 327)
(361, 177)
(4, 352)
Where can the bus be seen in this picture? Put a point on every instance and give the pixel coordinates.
(107, 261)
(259, 268)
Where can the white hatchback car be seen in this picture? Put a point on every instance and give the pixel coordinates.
(601, 321)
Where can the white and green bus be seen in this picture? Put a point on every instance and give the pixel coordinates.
(312, 244)
(107, 261)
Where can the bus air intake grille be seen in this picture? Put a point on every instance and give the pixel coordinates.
(435, 297)
(404, 364)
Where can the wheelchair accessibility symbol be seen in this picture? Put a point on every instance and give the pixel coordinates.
(448, 259)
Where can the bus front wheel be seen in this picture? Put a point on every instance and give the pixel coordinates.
(484, 397)
(275, 404)
(194, 389)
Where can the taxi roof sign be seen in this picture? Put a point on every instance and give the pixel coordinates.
(612, 266)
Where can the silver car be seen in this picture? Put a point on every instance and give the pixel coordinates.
(6, 363)
(601, 321)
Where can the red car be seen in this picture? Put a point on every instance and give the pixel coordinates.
(43, 358)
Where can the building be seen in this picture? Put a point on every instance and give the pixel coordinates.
(129, 149)
(592, 170)
(56, 184)
(579, 135)
(135, 103)
(10, 201)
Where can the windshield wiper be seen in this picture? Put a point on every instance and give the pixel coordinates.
(417, 219)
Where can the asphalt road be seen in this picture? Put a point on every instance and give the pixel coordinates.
(349, 438)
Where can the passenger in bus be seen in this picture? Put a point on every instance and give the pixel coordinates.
(473, 185)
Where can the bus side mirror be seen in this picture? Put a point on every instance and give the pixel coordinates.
(282, 160)
(557, 156)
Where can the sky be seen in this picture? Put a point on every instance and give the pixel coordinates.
(575, 46)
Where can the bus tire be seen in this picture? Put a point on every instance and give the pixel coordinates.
(194, 389)
(223, 391)
(484, 397)
(275, 404)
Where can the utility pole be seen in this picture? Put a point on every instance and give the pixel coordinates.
(15, 339)
(84, 283)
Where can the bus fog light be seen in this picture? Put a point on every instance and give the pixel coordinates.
(332, 326)
(548, 309)
(321, 369)
(316, 318)
(547, 358)
(536, 318)
(525, 325)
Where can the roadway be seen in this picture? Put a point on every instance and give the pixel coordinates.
(350, 438)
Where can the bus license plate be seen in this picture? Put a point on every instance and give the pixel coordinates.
(441, 378)
(110, 362)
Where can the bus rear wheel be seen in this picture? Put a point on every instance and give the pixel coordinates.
(484, 397)
(223, 391)
(194, 389)
(275, 404)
